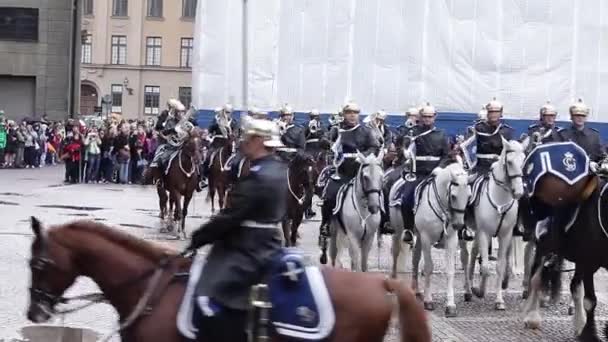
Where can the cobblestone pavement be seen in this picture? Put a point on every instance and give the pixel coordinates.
(134, 209)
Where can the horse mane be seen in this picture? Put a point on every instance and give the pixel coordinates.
(144, 248)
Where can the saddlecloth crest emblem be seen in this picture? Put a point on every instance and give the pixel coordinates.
(569, 162)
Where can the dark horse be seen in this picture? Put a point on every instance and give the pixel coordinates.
(218, 172)
(180, 180)
(584, 243)
(300, 177)
(140, 280)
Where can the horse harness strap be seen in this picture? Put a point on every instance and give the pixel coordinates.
(299, 199)
(501, 209)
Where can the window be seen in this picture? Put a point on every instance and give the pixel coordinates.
(119, 50)
(153, 50)
(155, 8)
(87, 7)
(116, 98)
(188, 8)
(151, 100)
(87, 46)
(186, 54)
(185, 96)
(120, 8)
(18, 24)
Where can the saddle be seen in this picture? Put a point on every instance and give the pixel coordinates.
(301, 308)
(341, 195)
(476, 185)
(400, 196)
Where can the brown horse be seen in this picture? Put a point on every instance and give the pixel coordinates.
(300, 177)
(218, 175)
(179, 181)
(140, 280)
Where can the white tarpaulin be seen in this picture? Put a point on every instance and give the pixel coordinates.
(392, 54)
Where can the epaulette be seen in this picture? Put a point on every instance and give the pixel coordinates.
(533, 126)
(506, 125)
(594, 129)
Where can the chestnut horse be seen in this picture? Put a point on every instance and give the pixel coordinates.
(180, 181)
(300, 181)
(140, 280)
(218, 175)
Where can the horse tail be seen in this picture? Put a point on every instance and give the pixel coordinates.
(413, 323)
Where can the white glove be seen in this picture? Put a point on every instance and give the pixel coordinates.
(594, 167)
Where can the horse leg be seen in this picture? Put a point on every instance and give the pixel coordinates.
(589, 303)
(285, 227)
(417, 255)
(221, 194)
(366, 247)
(464, 254)
(295, 224)
(464, 261)
(334, 245)
(482, 248)
(177, 213)
(187, 200)
(533, 319)
(428, 272)
(528, 259)
(162, 201)
(450, 250)
(576, 291)
(354, 250)
(504, 245)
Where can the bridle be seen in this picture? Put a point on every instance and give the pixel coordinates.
(360, 179)
(44, 264)
(506, 185)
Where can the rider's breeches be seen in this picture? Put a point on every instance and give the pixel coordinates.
(329, 199)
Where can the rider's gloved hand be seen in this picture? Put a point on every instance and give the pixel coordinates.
(594, 167)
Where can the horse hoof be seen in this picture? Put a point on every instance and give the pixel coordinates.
(570, 311)
(323, 259)
(505, 283)
(468, 297)
(544, 303)
(500, 306)
(450, 311)
(419, 297)
(477, 292)
(430, 306)
(532, 324)
(524, 294)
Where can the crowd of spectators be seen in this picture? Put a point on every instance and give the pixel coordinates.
(101, 152)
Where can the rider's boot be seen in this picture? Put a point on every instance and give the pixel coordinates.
(202, 182)
(324, 232)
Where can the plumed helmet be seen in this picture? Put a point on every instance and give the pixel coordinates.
(381, 115)
(579, 108)
(286, 110)
(413, 111)
(494, 106)
(262, 128)
(548, 109)
(314, 112)
(482, 114)
(228, 108)
(428, 110)
(351, 107)
(174, 103)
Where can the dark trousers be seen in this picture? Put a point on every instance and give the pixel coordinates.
(106, 169)
(29, 156)
(227, 326)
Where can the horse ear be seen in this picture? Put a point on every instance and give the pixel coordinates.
(37, 227)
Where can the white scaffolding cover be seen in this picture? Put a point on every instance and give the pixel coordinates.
(392, 54)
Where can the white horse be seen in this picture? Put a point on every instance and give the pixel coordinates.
(440, 215)
(357, 222)
(495, 216)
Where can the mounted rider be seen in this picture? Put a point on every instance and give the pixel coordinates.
(412, 116)
(427, 148)
(245, 238)
(222, 128)
(589, 140)
(236, 162)
(314, 133)
(486, 140)
(545, 130)
(173, 127)
(292, 135)
(376, 121)
(348, 138)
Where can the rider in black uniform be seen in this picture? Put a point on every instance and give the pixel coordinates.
(315, 133)
(349, 137)
(219, 136)
(589, 140)
(292, 135)
(245, 237)
(431, 150)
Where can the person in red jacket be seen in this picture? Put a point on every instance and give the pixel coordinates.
(72, 154)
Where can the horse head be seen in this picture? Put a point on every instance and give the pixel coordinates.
(511, 163)
(303, 166)
(458, 193)
(370, 177)
(193, 147)
(53, 269)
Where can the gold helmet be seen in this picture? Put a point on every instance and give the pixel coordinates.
(381, 115)
(176, 104)
(428, 110)
(286, 110)
(412, 111)
(227, 108)
(494, 106)
(351, 107)
(548, 109)
(579, 108)
(262, 128)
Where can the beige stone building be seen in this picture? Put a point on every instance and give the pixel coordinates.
(138, 53)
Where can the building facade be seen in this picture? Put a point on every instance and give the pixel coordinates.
(136, 54)
(38, 67)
